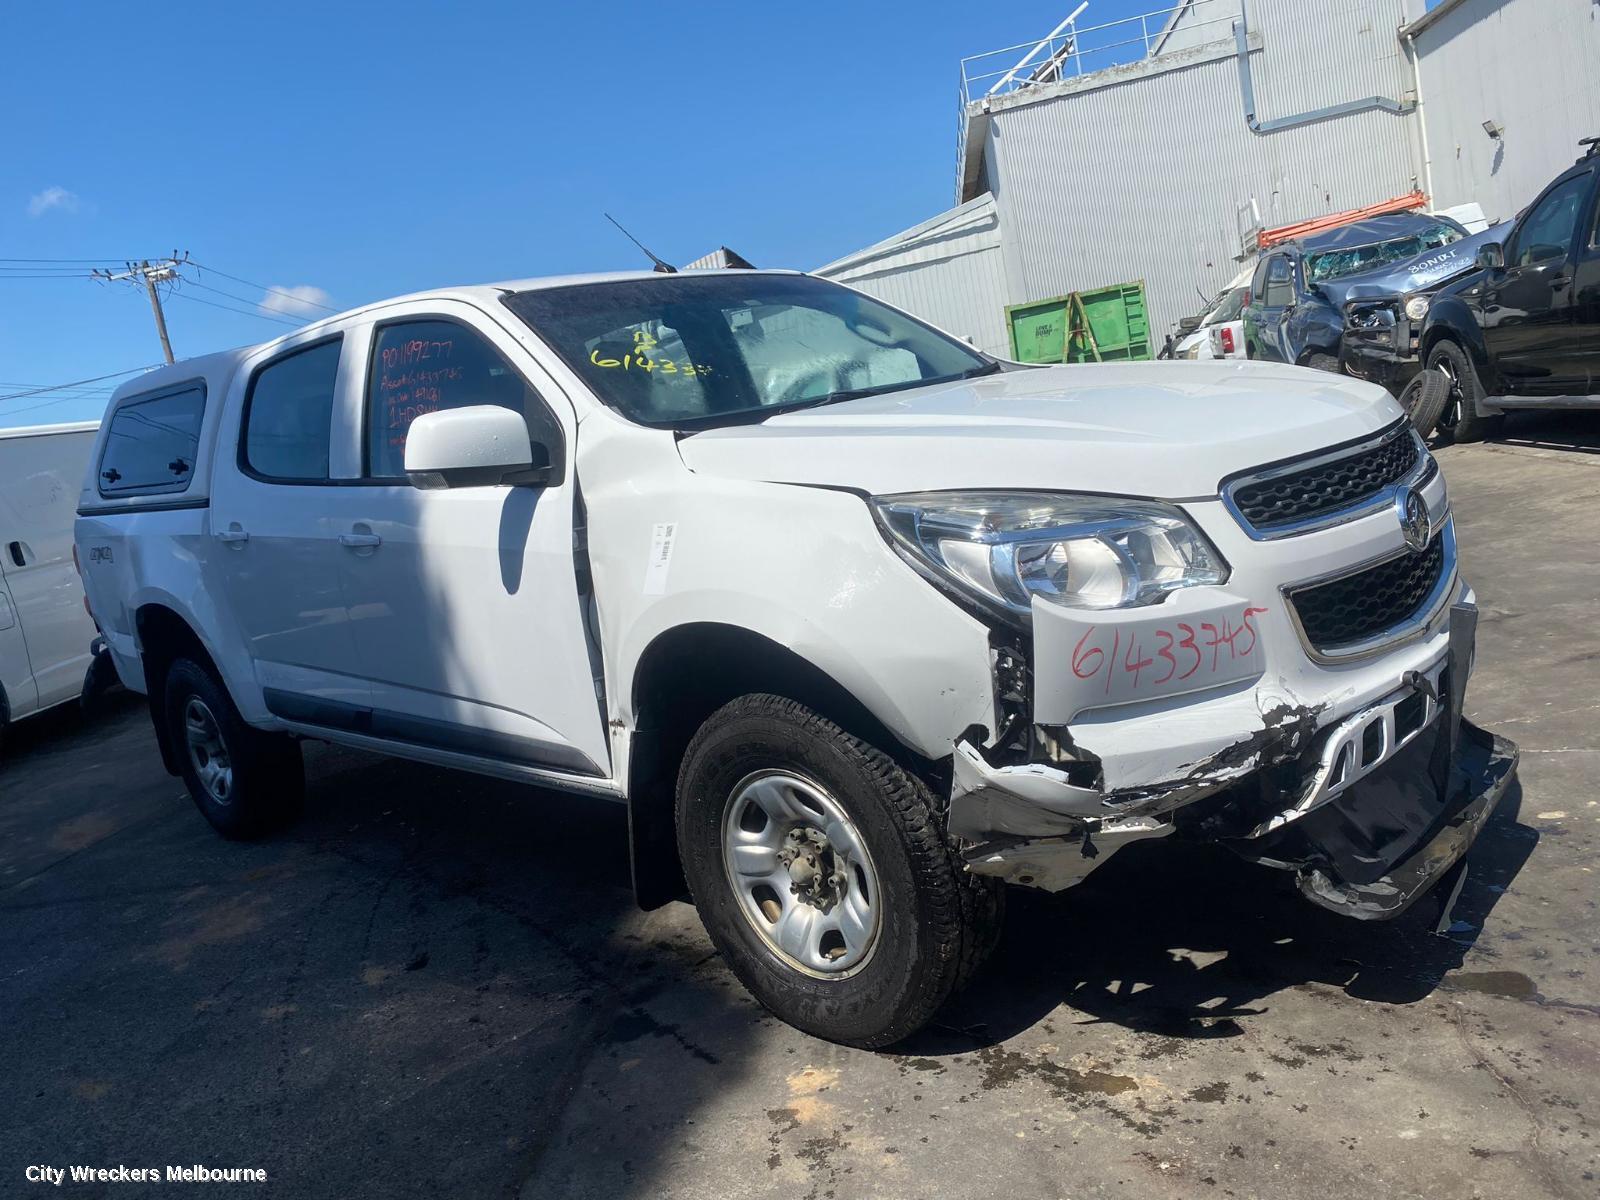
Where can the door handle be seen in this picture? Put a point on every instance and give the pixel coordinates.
(234, 534)
(18, 552)
(360, 540)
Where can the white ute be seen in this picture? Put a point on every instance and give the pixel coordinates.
(857, 622)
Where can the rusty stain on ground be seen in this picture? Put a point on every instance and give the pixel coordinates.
(804, 1086)
(82, 831)
(228, 921)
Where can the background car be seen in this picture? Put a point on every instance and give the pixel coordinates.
(1295, 313)
(1524, 331)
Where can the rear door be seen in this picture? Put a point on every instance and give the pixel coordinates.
(38, 500)
(472, 631)
(1528, 311)
(275, 526)
(21, 696)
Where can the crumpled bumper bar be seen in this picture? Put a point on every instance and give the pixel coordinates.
(1365, 838)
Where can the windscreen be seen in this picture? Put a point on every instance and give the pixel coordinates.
(1229, 307)
(1335, 264)
(688, 351)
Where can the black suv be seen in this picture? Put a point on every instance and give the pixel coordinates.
(1523, 331)
(1297, 296)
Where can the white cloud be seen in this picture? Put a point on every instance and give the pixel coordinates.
(302, 301)
(52, 198)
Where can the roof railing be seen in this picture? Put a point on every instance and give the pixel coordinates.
(1071, 49)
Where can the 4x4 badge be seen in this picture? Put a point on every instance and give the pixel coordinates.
(1412, 511)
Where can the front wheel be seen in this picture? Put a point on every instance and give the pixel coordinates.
(245, 782)
(1322, 362)
(823, 876)
(1460, 420)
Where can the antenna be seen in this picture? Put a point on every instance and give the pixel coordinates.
(665, 268)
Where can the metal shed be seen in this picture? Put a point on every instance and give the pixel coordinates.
(947, 270)
(1532, 68)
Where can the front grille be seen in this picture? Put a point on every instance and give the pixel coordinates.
(1354, 608)
(1273, 501)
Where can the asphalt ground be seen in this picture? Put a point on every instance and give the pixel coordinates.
(437, 985)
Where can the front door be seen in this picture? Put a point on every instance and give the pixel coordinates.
(275, 526)
(464, 603)
(1271, 305)
(1586, 298)
(1527, 309)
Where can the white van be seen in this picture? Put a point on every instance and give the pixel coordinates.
(45, 628)
(857, 621)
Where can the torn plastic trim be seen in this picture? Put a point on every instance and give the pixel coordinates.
(1343, 759)
(1029, 823)
(1059, 862)
(1491, 768)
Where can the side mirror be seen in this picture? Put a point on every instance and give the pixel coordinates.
(479, 446)
(1491, 256)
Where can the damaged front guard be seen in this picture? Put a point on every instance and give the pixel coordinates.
(1365, 839)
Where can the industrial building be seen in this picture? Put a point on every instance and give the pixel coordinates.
(1153, 149)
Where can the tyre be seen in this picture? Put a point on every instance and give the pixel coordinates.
(823, 875)
(1459, 420)
(1322, 362)
(245, 782)
(1424, 399)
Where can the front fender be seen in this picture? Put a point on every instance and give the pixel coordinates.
(1449, 316)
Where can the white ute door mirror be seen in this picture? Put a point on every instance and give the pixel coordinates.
(479, 446)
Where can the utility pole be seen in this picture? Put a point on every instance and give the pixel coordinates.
(150, 274)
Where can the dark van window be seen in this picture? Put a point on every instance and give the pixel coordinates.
(426, 366)
(289, 415)
(151, 445)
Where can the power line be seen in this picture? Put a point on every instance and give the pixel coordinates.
(57, 387)
(265, 288)
(243, 312)
(12, 412)
(110, 258)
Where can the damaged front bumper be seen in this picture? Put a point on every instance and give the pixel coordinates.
(1369, 805)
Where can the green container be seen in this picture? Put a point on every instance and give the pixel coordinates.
(1051, 331)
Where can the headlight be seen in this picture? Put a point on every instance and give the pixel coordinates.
(1005, 548)
(1417, 307)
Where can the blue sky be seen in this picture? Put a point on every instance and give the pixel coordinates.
(369, 150)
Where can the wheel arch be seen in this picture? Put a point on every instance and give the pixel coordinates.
(1450, 320)
(684, 675)
(164, 636)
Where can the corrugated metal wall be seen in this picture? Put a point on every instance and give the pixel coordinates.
(1138, 174)
(948, 271)
(1532, 66)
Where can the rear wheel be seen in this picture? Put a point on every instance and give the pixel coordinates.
(245, 782)
(1459, 420)
(823, 875)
